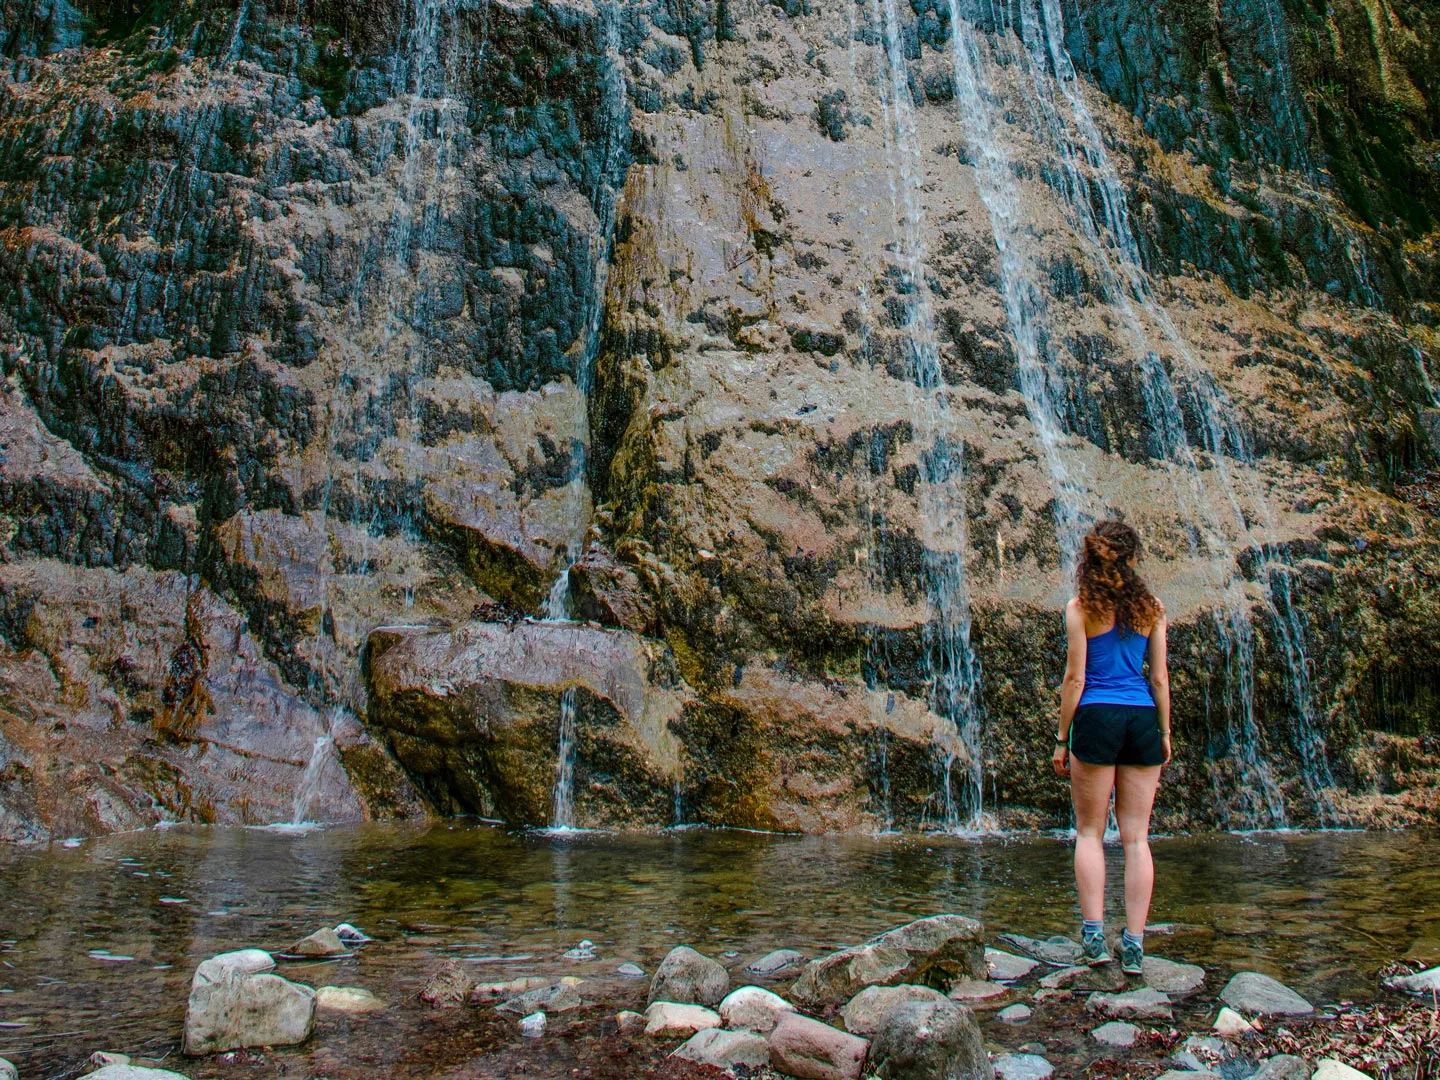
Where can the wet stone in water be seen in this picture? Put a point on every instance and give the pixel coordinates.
(775, 962)
(1116, 1033)
(1022, 1067)
(1005, 966)
(1253, 994)
(1015, 1014)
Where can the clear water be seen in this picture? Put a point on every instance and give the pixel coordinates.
(1323, 911)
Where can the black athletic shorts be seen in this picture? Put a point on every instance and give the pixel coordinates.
(1116, 735)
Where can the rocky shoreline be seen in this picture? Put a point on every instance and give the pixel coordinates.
(939, 998)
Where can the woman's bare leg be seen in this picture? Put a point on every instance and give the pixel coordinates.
(1090, 787)
(1134, 796)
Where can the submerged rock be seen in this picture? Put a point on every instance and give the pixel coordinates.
(664, 1019)
(806, 1048)
(348, 999)
(862, 1013)
(921, 1040)
(321, 943)
(754, 1008)
(686, 976)
(726, 1049)
(775, 962)
(231, 1008)
(449, 987)
(1254, 994)
(1142, 1004)
(1023, 1067)
(557, 997)
(1174, 979)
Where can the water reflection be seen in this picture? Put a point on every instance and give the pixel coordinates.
(1324, 911)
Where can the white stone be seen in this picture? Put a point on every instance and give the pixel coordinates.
(1116, 1033)
(1015, 1014)
(1259, 995)
(1334, 1069)
(1231, 1023)
(630, 971)
(1022, 1067)
(352, 934)
(1005, 966)
(8, 1071)
(100, 1058)
(347, 999)
(133, 1072)
(1424, 982)
(726, 1049)
(324, 942)
(245, 961)
(775, 962)
(231, 1008)
(755, 1008)
(667, 1018)
(533, 1026)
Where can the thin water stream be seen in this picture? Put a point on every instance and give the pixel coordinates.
(100, 940)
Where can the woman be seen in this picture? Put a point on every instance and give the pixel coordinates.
(1114, 730)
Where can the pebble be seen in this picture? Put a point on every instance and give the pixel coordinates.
(1333, 1069)
(557, 997)
(1005, 966)
(1259, 995)
(726, 1049)
(351, 935)
(671, 1019)
(1142, 1004)
(1231, 1023)
(1015, 1014)
(775, 962)
(630, 971)
(533, 1026)
(1022, 1067)
(1116, 1033)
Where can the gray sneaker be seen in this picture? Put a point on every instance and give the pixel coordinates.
(1093, 950)
(1132, 958)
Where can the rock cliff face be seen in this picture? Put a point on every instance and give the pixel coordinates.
(806, 336)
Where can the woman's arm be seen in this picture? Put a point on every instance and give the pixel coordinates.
(1072, 686)
(1160, 680)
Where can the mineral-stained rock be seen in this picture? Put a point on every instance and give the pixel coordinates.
(862, 1013)
(1142, 1004)
(726, 1049)
(688, 977)
(230, 1008)
(448, 987)
(610, 593)
(919, 1040)
(754, 1008)
(1253, 994)
(667, 1019)
(806, 1048)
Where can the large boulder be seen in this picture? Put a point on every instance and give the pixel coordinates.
(933, 952)
(924, 1040)
(862, 1013)
(231, 1008)
(1253, 994)
(810, 1050)
(688, 977)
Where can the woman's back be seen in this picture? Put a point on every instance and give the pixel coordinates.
(1115, 668)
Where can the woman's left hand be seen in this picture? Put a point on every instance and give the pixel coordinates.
(1061, 760)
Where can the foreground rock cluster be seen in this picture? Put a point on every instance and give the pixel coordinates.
(921, 1002)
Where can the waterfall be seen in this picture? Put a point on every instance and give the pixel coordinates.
(557, 602)
(309, 787)
(1042, 377)
(1090, 177)
(953, 668)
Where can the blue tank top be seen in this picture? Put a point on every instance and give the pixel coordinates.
(1114, 669)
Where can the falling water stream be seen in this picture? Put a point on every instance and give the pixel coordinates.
(953, 667)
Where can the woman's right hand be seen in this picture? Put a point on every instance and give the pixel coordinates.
(1061, 760)
(1165, 745)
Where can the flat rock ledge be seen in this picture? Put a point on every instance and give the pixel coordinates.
(1253, 994)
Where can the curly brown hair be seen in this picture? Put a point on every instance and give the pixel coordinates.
(1108, 582)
